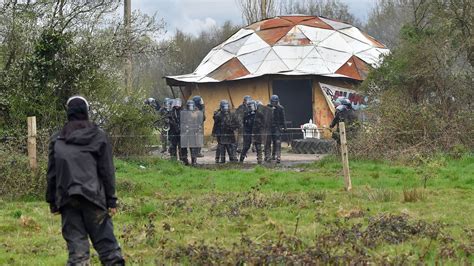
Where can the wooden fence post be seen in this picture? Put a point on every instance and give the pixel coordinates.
(32, 142)
(345, 157)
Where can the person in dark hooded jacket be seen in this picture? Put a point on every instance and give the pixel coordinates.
(81, 186)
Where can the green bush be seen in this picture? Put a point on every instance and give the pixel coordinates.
(17, 180)
(418, 98)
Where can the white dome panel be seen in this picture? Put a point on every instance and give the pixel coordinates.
(355, 45)
(372, 56)
(336, 42)
(253, 43)
(313, 63)
(238, 35)
(271, 65)
(334, 59)
(356, 34)
(316, 35)
(234, 47)
(217, 59)
(253, 60)
(292, 55)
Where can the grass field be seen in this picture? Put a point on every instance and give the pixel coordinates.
(171, 214)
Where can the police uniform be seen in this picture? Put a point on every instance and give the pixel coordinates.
(248, 122)
(175, 138)
(344, 114)
(273, 143)
(225, 124)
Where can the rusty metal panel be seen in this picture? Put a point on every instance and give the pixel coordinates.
(271, 36)
(275, 23)
(335, 24)
(374, 41)
(294, 38)
(350, 70)
(297, 19)
(317, 23)
(231, 70)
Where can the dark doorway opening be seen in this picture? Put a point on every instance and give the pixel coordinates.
(296, 95)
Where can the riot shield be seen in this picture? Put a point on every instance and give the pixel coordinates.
(240, 113)
(192, 131)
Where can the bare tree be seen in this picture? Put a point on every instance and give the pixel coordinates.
(333, 9)
(256, 10)
(388, 17)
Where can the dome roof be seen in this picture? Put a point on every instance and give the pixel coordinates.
(291, 45)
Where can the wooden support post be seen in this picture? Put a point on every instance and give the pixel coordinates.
(172, 91)
(127, 21)
(32, 142)
(345, 157)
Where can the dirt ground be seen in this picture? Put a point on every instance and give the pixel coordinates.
(288, 159)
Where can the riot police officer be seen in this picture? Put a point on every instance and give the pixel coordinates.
(175, 131)
(240, 112)
(153, 103)
(193, 150)
(248, 122)
(199, 104)
(273, 144)
(344, 113)
(225, 124)
(164, 117)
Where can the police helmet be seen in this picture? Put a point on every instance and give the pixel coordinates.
(337, 102)
(274, 99)
(247, 99)
(224, 105)
(252, 105)
(177, 103)
(341, 108)
(198, 100)
(150, 101)
(346, 102)
(190, 105)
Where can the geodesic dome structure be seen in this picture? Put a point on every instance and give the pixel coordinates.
(290, 45)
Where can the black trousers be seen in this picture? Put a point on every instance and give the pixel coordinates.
(175, 146)
(273, 145)
(221, 151)
(82, 220)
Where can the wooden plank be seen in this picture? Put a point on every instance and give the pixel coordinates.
(32, 158)
(345, 157)
(172, 91)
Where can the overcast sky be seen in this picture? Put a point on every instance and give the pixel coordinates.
(192, 16)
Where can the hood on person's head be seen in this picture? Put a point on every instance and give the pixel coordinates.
(78, 118)
(77, 108)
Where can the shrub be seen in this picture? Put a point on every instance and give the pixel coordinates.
(413, 195)
(418, 100)
(17, 180)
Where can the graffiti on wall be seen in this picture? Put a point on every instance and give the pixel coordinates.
(331, 93)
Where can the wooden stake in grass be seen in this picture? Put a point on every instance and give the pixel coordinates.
(345, 157)
(32, 142)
